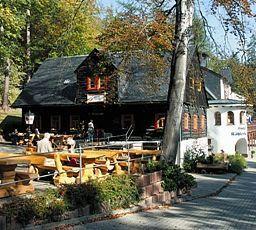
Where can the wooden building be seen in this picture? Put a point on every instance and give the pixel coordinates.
(66, 91)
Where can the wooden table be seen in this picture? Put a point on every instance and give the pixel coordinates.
(8, 164)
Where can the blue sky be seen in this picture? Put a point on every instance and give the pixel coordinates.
(227, 43)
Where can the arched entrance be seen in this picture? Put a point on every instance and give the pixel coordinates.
(241, 146)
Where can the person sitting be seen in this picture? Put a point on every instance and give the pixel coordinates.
(44, 145)
(15, 137)
(71, 143)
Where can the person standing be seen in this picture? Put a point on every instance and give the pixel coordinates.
(45, 146)
(36, 137)
(90, 131)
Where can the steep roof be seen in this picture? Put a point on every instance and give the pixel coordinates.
(212, 83)
(138, 83)
(54, 83)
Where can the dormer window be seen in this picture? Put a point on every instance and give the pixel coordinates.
(91, 83)
(96, 83)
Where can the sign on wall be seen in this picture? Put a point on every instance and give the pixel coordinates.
(93, 98)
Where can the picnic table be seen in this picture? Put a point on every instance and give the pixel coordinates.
(14, 182)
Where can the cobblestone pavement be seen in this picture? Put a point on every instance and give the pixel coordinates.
(233, 208)
(209, 183)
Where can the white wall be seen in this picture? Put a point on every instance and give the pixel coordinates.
(226, 136)
(187, 144)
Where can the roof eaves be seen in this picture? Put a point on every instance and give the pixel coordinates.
(211, 93)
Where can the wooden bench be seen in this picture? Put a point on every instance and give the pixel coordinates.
(212, 167)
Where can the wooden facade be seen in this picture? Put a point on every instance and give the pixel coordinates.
(97, 94)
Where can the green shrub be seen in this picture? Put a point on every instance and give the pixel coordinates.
(23, 210)
(187, 181)
(116, 191)
(191, 157)
(80, 195)
(39, 207)
(56, 208)
(173, 176)
(237, 163)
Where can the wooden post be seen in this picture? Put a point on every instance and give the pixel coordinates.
(80, 164)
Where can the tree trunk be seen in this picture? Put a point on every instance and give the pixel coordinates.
(5, 99)
(184, 16)
(28, 52)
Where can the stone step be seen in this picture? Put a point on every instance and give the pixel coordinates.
(151, 189)
(149, 178)
(163, 198)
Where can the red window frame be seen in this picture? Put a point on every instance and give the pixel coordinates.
(186, 122)
(159, 121)
(195, 122)
(99, 84)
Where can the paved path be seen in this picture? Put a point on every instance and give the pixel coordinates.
(233, 208)
(11, 148)
(210, 183)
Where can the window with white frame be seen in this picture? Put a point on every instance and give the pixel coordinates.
(231, 120)
(217, 117)
(242, 118)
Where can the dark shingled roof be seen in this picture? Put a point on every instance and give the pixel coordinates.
(138, 84)
(212, 83)
(54, 83)
(226, 73)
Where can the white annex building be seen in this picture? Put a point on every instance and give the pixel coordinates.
(226, 116)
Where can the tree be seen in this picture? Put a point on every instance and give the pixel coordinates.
(55, 28)
(184, 10)
(62, 28)
(251, 51)
(11, 24)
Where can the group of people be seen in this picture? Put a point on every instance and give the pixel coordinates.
(45, 145)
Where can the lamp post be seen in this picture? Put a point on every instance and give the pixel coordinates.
(29, 119)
